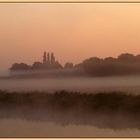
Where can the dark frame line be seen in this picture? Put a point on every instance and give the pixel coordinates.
(70, 1)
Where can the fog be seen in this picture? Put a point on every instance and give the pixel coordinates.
(4, 72)
(82, 84)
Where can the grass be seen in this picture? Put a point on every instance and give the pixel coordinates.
(111, 102)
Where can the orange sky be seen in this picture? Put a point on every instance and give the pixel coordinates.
(72, 31)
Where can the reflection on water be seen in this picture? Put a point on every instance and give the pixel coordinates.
(52, 123)
(23, 128)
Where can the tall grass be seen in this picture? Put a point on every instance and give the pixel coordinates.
(67, 101)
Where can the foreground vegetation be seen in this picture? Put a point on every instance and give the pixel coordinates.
(67, 101)
(117, 110)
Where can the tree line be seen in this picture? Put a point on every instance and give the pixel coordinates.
(124, 64)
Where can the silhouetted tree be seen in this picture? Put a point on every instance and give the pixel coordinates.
(37, 65)
(137, 58)
(110, 59)
(124, 64)
(21, 66)
(57, 65)
(68, 65)
(126, 57)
